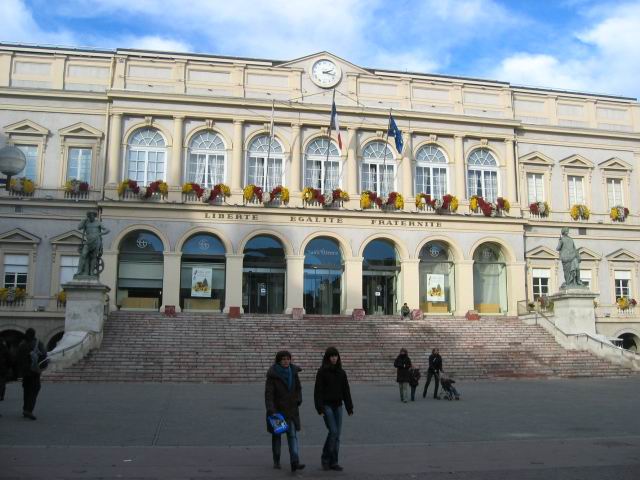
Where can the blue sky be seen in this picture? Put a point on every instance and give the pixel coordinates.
(582, 45)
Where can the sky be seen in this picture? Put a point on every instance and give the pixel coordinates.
(584, 45)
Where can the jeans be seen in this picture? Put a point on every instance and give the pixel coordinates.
(432, 373)
(292, 440)
(404, 391)
(31, 387)
(333, 421)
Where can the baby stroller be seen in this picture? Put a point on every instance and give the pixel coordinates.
(448, 390)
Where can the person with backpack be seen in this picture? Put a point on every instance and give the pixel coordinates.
(283, 395)
(403, 364)
(435, 367)
(330, 392)
(31, 359)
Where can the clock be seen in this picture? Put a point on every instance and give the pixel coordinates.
(325, 73)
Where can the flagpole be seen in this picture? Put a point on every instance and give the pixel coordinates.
(266, 167)
(386, 141)
(326, 161)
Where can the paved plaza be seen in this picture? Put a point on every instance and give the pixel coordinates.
(524, 429)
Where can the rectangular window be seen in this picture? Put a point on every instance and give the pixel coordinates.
(68, 268)
(206, 170)
(585, 277)
(146, 166)
(540, 278)
(315, 174)
(432, 181)
(16, 269)
(483, 183)
(576, 190)
(535, 187)
(30, 170)
(79, 164)
(614, 192)
(622, 283)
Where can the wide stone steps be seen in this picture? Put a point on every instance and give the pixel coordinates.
(213, 348)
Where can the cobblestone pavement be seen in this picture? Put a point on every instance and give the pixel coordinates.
(524, 429)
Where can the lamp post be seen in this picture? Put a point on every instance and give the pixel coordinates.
(12, 162)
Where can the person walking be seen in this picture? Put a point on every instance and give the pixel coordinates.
(435, 367)
(31, 353)
(403, 364)
(414, 381)
(330, 392)
(283, 395)
(5, 366)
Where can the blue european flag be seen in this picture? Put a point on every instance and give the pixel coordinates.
(395, 132)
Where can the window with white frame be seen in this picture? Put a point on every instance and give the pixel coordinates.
(264, 163)
(68, 268)
(431, 171)
(30, 170)
(16, 271)
(622, 279)
(207, 160)
(535, 187)
(321, 170)
(614, 192)
(378, 169)
(576, 190)
(146, 159)
(585, 278)
(540, 280)
(79, 164)
(482, 175)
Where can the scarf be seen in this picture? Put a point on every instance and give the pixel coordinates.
(286, 374)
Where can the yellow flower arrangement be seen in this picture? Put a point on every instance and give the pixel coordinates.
(22, 185)
(163, 188)
(473, 204)
(365, 200)
(307, 194)
(247, 192)
(399, 203)
(625, 303)
(61, 297)
(619, 213)
(187, 188)
(453, 206)
(580, 212)
(12, 294)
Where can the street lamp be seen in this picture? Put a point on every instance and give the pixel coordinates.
(12, 162)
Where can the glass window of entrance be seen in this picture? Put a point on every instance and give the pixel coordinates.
(140, 271)
(202, 273)
(380, 270)
(431, 171)
(16, 270)
(322, 171)
(264, 165)
(323, 269)
(79, 164)
(263, 275)
(437, 278)
(207, 159)
(146, 156)
(489, 279)
(540, 280)
(482, 175)
(378, 169)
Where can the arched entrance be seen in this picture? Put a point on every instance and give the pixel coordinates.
(53, 341)
(437, 279)
(380, 269)
(323, 277)
(489, 279)
(263, 275)
(140, 271)
(629, 341)
(202, 273)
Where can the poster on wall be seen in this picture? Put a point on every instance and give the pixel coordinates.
(435, 287)
(201, 282)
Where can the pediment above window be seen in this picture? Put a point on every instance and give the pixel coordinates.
(541, 253)
(80, 130)
(18, 236)
(616, 164)
(73, 237)
(536, 158)
(588, 255)
(577, 161)
(622, 255)
(26, 127)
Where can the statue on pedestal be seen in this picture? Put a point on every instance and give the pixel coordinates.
(91, 264)
(570, 258)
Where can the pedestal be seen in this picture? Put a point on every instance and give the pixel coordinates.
(574, 310)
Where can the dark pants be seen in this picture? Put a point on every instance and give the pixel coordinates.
(333, 421)
(3, 387)
(432, 373)
(31, 387)
(292, 440)
(413, 392)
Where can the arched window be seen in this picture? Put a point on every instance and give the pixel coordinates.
(323, 268)
(146, 158)
(482, 175)
(140, 270)
(207, 159)
(489, 279)
(202, 273)
(378, 169)
(437, 285)
(264, 168)
(380, 270)
(431, 171)
(321, 171)
(264, 275)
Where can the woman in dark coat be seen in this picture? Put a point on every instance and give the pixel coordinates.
(331, 391)
(283, 394)
(403, 377)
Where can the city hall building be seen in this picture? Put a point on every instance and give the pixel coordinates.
(222, 184)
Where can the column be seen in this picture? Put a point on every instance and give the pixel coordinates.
(236, 158)
(109, 276)
(515, 286)
(115, 145)
(174, 170)
(352, 284)
(407, 168)
(352, 162)
(510, 172)
(410, 283)
(464, 287)
(296, 159)
(233, 282)
(171, 280)
(459, 169)
(295, 282)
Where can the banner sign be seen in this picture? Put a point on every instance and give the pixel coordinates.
(201, 282)
(435, 287)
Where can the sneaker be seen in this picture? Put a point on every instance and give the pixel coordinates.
(336, 467)
(29, 415)
(297, 466)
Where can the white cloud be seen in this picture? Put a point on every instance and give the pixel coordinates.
(18, 25)
(153, 42)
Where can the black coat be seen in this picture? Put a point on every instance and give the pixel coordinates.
(278, 398)
(5, 360)
(435, 362)
(23, 357)
(332, 388)
(403, 364)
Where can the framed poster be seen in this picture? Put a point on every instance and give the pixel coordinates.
(435, 287)
(201, 282)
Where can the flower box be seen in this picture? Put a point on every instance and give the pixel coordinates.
(22, 187)
(580, 212)
(369, 199)
(12, 296)
(156, 190)
(76, 189)
(619, 213)
(192, 192)
(539, 209)
(480, 205)
(277, 197)
(252, 194)
(448, 203)
(128, 189)
(218, 194)
(314, 197)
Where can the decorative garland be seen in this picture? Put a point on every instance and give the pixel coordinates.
(540, 208)
(625, 303)
(192, 187)
(219, 190)
(310, 195)
(158, 187)
(75, 187)
(619, 213)
(22, 185)
(128, 185)
(580, 212)
(395, 200)
(368, 198)
(279, 191)
(252, 191)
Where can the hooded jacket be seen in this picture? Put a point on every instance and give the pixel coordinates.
(279, 399)
(403, 364)
(332, 387)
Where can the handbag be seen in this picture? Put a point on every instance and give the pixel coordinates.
(278, 424)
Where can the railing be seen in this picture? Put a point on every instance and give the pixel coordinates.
(89, 335)
(525, 307)
(607, 311)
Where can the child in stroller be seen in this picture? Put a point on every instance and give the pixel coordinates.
(448, 390)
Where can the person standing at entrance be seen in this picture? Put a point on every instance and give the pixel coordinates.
(435, 367)
(31, 353)
(283, 395)
(330, 392)
(403, 364)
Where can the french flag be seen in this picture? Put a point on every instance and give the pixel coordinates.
(334, 123)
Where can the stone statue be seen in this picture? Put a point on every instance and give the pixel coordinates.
(570, 258)
(90, 263)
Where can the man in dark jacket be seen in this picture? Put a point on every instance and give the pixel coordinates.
(435, 367)
(283, 395)
(5, 366)
(331, 390)
(403, 364)
(30, 349)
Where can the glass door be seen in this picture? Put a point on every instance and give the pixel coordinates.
(322, 291)
(379, 293)
(263, 290)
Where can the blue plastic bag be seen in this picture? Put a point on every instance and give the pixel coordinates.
(278, 424)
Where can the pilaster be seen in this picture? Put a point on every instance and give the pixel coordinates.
(516, 275)
(236, 158)
(115, 146)
(458, 167)
(175, 167)
(109, 275)
(410, 282)
(352, 164)
(296, 159)
(352, 284)
(233, 281)
(171, 280)
(295, 276)
(464, 286)
(407, 167)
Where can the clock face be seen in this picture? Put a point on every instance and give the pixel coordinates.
(325, 73)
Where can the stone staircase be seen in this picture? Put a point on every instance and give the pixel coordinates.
(150, 347)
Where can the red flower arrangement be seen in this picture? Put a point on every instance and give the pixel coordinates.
(310, 194)
(502, 204)
(219, 190)
(479, 203)
(156, 187)
(187, 188)
(446, 201)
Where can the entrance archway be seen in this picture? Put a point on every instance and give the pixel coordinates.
(202, 273)
(489, 279)
(437, 278)
(323, 269)
(140, 271)
(263, 275)
(380, 270)
(630, 342)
